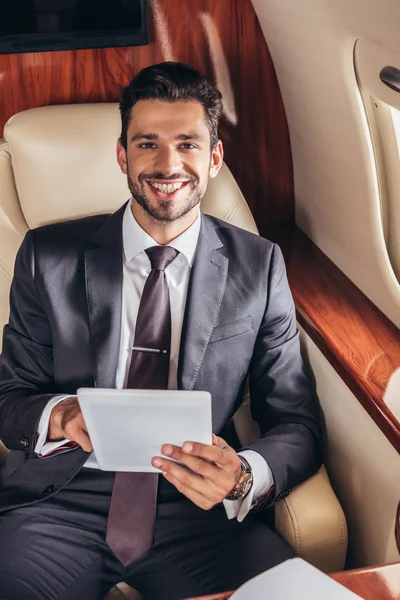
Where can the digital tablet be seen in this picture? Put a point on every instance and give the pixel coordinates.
(128, 427)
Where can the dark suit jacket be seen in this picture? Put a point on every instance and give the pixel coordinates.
(64, 331)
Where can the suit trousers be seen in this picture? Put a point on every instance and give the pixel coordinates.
(56, 550)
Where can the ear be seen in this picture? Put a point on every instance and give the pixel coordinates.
(217, 157)
(121, 157)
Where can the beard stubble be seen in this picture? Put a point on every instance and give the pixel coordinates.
(163, 211)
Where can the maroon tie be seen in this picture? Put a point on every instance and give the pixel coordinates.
(130, 526)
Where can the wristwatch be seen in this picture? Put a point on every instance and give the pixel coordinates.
(243, 484)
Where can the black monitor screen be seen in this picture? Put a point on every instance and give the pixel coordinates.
(42, 21)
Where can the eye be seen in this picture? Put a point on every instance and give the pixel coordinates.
(187, 146)
(147, 145)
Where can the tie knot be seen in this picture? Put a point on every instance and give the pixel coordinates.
(161, 256)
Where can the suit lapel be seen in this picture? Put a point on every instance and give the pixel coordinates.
(205, 293)
(103, 273)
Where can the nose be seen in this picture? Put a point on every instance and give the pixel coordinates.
(168, 161)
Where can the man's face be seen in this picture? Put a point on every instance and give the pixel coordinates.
(168, 160)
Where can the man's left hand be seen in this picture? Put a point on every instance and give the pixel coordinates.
(212, 472)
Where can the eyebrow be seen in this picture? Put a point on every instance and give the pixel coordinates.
(191, 136)
(154, 136)
(144, 136)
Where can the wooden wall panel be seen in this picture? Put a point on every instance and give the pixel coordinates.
(359, 341)
(221, 38)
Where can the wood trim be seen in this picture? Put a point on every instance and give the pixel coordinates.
(353, 334)
(371, 583)
(221, 38)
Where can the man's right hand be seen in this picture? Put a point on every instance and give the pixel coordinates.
(66, 421)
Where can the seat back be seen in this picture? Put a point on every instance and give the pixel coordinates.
(59, 163)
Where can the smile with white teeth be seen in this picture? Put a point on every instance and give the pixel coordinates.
(167, 188)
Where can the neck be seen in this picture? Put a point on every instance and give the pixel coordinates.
(163, 233)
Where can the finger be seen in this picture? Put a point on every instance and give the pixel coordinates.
(75, 432)
(224, 457)
(218, 441)
(194, 463)
(186, 481)
(84, 441)
(75, 424)
(221, 478)
(193, 495)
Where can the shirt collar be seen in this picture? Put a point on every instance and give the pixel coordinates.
(136, 240)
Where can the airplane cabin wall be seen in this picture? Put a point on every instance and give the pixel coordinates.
(363, 466)
(224, 40)
(337, 205)
(336, 190)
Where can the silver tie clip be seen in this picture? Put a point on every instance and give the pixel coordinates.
(153, 350)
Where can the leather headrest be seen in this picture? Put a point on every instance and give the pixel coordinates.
(64, 167)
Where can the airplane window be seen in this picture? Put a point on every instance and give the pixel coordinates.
(395, 114)
(377, 69)
(393, 162)
(385, 129)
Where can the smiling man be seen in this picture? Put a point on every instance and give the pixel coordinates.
(175, 195)
(168, 171)
(93, 302)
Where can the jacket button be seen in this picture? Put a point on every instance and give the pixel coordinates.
(25, 442)
(283, 495)
(49, 490)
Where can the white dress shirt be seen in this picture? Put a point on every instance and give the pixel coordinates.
(136, 269)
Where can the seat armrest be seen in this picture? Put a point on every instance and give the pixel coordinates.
(312, 522)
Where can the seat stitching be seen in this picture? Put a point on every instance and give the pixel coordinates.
(231, 211)
(343, 527)
(295, 523)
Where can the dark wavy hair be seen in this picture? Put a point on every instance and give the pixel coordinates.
(171, 81)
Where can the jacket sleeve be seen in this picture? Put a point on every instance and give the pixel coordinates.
(283, 399)
(26, 362)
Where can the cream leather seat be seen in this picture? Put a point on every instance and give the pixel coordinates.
(58, 163)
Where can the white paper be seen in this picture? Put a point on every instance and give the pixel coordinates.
(293, 579)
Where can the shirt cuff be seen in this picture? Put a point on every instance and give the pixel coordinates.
(43, 448)
(262, 483)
